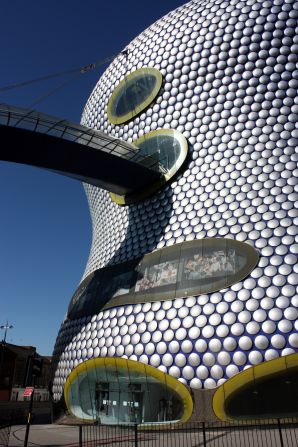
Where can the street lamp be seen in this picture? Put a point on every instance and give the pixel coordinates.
(6, 327)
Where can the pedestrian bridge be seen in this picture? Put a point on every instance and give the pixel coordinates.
(88, 155)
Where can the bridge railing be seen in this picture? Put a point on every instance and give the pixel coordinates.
(42, 123)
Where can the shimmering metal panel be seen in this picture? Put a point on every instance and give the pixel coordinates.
(230, 88)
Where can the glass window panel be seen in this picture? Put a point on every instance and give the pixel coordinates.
(133, 94)
(116, 391)
(189, 268)
(163, 149)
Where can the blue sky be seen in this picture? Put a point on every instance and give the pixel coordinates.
(45, 224)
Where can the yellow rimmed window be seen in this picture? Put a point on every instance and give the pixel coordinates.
(134, 94)
(164, 150)
(263, 391)
(116, 390)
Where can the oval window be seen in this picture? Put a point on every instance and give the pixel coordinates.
(134, 93)
(116, 390)
(262, 391)
(163, 150)
(190, 268)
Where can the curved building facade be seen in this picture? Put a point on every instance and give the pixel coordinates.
(195, 280)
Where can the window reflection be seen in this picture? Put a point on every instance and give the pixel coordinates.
(133, 94)
(113, 394)
(160, 149)
(190, 268)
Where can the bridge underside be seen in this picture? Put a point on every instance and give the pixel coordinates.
(84, 163)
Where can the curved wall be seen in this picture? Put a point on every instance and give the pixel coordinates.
(230, 83)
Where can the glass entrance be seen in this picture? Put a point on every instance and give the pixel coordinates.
(121, 391)
(122, 404)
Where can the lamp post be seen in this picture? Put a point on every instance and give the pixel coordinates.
(5, 327)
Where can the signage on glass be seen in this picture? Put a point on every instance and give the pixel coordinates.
(190, 268)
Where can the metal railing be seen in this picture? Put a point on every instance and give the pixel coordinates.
(42, 123)
(275, 433)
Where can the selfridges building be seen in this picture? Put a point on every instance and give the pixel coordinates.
(191, 284)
